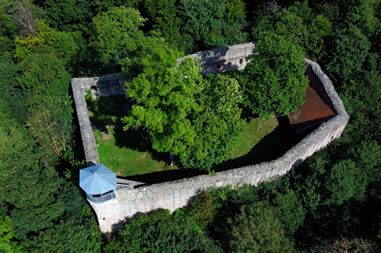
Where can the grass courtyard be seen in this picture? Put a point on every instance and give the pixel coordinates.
(129, 153)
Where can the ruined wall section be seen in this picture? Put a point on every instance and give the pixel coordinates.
(221, 59)
(176, 194)
(107, 85)
(87, 134)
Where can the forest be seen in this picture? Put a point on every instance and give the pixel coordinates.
(331, 203)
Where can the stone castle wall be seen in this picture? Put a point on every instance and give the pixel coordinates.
(175, 194)
(107, 85)
(221, 59)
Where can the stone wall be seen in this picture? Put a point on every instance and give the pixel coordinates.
(221, 59)
(176, 194)
(107, 85)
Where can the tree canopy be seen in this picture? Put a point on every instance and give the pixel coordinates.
(182, 112)
(276, 80)
(330, 203)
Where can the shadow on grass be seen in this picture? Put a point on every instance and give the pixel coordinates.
(269, 148)
(165, 176)
(107, 112)
(110, 110)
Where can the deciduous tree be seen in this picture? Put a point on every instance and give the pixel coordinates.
(298, 24)
(276, 76)
(46, 84)
(7, 245)
(211, 23)
(115, 34)
(161, 232)
(217, 124)
(196, 119)
(349, 53)
(67, 15)
(257, 229)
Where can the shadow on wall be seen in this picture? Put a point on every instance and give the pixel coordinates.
(216, 60)
(165, 176)
(112, 84)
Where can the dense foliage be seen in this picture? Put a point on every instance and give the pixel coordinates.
(191, 117)
(275, 76)
(331, 203)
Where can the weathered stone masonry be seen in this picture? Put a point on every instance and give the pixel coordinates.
(106, 85)
(176, 194)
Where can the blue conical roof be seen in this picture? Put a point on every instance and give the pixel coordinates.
(97, 179)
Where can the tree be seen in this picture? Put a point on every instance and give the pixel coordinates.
(46, 84)
(160, 232)
(276, 73)
(115, 34)
(362, 98)
(298, 24)
(202, 210)
(177, 105)
(165, 19)
(77, 230)
(8, 27)
(47, 213)
(206, 25)
(32, 193)
(235, 22)
(343, 245)
(257, 229)
(25, 17)
(67, 15)
(202, 23)
(7, 245)
(349, 53)
(151, 52)
(361, 13)
(50, 123)
(289, 211)
(217, 124)
(342, 182)
(165, 97)
(47, 40)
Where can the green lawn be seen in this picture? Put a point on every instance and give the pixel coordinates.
(262, 140)
(126, 161)
(129, 153)
(255, 130)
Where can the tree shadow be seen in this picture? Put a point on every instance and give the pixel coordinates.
(165, 176)
(107, 112)
(268, 148)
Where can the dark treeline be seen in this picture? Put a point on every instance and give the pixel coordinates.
(330, 204)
